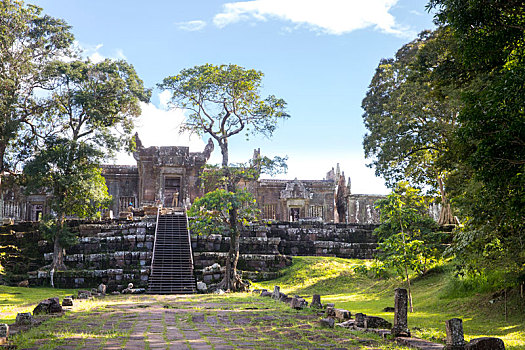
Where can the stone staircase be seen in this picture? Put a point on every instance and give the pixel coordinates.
(172, 263)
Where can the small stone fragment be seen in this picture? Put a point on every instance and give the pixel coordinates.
(67, 302)
(327, 322)
(83, 294)
(360, 320)
(24, 283)
(329, 305)
(48, 306)
(202, 287)
(265, 293)
(24, 318)
(102, 288)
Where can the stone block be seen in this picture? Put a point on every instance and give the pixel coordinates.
(327, 322)
(265, 293)
(48, 306)
(4, 330)
(342, 314)
(24, 318)
(67, 302)
(360, 320)
(298, 303)
(377, 322)
(276, 293)
(202, 287)
(485, 343)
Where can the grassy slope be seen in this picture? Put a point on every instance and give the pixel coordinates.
(334, 279)
(15, 299)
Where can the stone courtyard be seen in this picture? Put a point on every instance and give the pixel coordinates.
(237, 321)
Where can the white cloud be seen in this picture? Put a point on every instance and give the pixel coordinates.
(158, 127)
(164, 98)
(94, 54)
(327, 16)
(191, 26)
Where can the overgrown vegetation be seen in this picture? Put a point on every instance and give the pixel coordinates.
(446, 114)
(439, 294)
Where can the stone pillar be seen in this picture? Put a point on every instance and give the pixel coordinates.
(400, 328)
(276, 292)
(316, 302)
(455, 339)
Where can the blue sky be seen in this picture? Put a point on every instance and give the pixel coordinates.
(318, 55)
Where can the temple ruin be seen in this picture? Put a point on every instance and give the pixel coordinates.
(170, 177)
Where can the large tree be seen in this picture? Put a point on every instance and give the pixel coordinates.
(409, 120)
(223, 101)
(92, 106)
(490, 185)
(28, 42)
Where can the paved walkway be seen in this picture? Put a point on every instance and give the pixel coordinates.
(190, 322)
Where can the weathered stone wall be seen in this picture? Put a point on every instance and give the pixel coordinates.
(361, 208)
(118, 252)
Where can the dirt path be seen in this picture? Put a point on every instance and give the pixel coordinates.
(187, 322)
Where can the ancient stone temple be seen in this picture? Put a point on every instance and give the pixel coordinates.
(170, 177)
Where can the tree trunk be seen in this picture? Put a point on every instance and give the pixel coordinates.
(58, 251)
(409, 290)
(445, 215)
(231, 280)
(2, 169)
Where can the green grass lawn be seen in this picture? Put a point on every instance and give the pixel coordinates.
(335, 280)
(16, 299)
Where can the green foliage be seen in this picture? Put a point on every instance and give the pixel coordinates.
(89, 101)
(28, 42)
(210, 214)
(488, 184)
(407, 236)
(409, 120)
(49, 229)
(70, 171)
(223, 100)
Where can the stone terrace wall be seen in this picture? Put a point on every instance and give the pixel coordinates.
(118, 252)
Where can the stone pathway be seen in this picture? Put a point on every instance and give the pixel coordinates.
(190, 322)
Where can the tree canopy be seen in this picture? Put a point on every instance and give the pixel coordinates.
(29, 40)
(410, 121)
(224, 100)
(91, 109)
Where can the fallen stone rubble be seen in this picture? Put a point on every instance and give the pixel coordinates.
(399, 332)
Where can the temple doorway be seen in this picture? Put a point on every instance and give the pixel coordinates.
(294, 214)
(172, 192)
